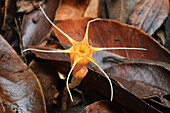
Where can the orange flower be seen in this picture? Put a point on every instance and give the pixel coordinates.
(80, 53)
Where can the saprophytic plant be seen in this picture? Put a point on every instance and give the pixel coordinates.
(80, 55)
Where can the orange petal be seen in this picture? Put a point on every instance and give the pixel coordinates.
(80, 64)
(85, 39)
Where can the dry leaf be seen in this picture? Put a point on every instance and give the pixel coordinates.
(27, 6)
(47, 75)
(167, 32)
(161, 34)
(116, 9)
(104, 32)
(149, 15)
(105, 107)
(35, 26)
(71, 9)
(92, 11)
(20, 88)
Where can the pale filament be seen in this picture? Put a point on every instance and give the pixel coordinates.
(111, 86)
(69, 77)
(87, 29)
(68, 37)
(120, 48)
(47, 51)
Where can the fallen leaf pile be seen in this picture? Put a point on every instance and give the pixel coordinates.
(35, 81)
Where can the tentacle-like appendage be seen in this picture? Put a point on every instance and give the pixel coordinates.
(68, 37)
(48, 51)
(111, 86)
(87, 29)
(74, 64)
(101, 49)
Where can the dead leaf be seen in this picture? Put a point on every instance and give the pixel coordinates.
(149, 74)
(116, 9)
(27, 6)
(35, 26)
(145, 80)
(47, 75)
(71, 9)
(9, 30)
(96, 86)
(20, 88)
(157, 103)
(149, 15)
(106, 107)
(167, 32)
(161, 34)
(92, 11)
(102, 33)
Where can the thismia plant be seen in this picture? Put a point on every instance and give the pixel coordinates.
(80, 53)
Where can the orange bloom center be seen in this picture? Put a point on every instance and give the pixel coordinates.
(82, 49)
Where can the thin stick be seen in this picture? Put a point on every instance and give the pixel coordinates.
(5, 13)
(20, 40)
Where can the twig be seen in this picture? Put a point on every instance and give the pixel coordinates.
(21, 43)
(5, 13)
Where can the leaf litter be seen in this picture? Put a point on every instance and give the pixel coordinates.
(156, 58)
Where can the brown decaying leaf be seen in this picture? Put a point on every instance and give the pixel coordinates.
(116, 9)
(102, 33)
(92, 9)
(35, 26)
(95, 86)
(27, 6)
(20, 88)
(47, 75)
(71, 9)
(161, 34)
(154, 101)
(167, 32)
(9, 31)
(106, 107)
(149, 15)
(156, 77)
